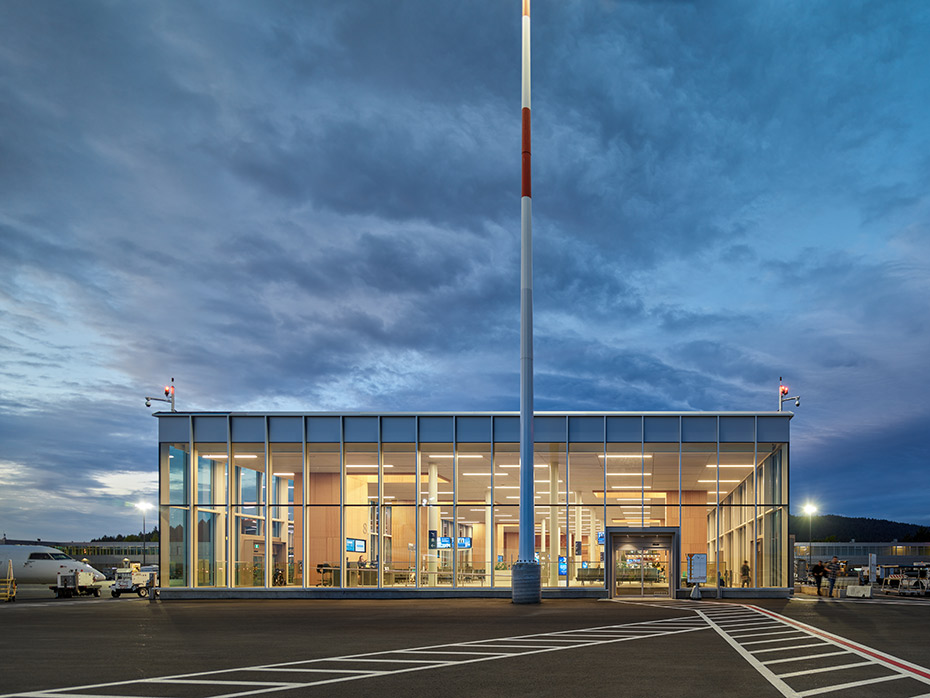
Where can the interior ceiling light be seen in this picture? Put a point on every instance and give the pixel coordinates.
(245, 455)
(214, 456)
(284, 474)
(509, 465)
(507, 487)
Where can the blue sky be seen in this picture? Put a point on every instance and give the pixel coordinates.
(315, 206)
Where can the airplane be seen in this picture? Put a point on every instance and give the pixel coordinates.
(40, 564)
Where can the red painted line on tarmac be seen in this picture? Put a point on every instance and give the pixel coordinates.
(913, 669)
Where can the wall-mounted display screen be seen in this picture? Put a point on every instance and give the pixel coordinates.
(445, 542)
(355, 545)
(600, 538)
(464, 542)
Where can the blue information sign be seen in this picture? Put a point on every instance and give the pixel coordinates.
(432, 540)
(563, 565)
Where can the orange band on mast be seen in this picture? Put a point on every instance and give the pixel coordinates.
(526, 8)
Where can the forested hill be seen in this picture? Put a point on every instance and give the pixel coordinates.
(831, 527)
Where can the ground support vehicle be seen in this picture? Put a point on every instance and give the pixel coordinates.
(909, 580)
(132, 580)
(75, 583)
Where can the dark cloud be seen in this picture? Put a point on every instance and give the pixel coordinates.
(316, 206)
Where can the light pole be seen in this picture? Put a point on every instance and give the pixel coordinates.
(810, 510)
(143, 507)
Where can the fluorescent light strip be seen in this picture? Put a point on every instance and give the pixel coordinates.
(283, 474)
(245, 455)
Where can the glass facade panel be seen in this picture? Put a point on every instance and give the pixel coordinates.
(248, 542)
(178, 526)
(325, 546)
(399, 515)
(361, 514)
(506, 543)
(437, 529)
(585, 512)
(549, 484)
(211, 549)
(473, 537)
(287, 514)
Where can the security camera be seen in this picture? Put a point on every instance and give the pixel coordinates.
(148, 403)
(797, 403)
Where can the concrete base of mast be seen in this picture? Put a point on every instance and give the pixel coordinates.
(525, 581)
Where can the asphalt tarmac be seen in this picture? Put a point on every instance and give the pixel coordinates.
(467, 647)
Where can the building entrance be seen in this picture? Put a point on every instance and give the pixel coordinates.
(643, 563)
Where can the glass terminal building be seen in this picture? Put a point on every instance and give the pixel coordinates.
(400, 504)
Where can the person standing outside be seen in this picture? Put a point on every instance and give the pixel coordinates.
(745, 574)
(833, 569)
(817, 572)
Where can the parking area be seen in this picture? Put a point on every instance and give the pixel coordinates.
(133, 647)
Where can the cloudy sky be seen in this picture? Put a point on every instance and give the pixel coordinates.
(315, 206)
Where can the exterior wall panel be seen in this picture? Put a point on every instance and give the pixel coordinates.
(283, 430)
(506, 429)
(174, 429)
(323, 429)
(586, 429)
(698, 429)
(473, 430)
(660, 429)
(248, 429)
(624, 429)
(736, 429)
(548, 429)
(398, 430)
(210, 429)
(436, 429)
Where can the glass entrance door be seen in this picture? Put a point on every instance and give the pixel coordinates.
(641, 565)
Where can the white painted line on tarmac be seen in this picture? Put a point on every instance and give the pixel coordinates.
(658, 629)
(851, 684)
(821, 670)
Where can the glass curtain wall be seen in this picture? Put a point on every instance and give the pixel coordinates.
(324, 537)
(399, 515)
(287, 514)
(174, 512)
(506, 514)
(473, 542)
(248, 499)
(437, 527)
(388, 515)
(361, 515)
(585, 514)
(210, 514)
(549, 482)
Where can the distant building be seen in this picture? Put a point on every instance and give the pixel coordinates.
(856, 554)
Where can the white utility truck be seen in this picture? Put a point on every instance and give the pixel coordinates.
(76, 583)
(133, 580)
